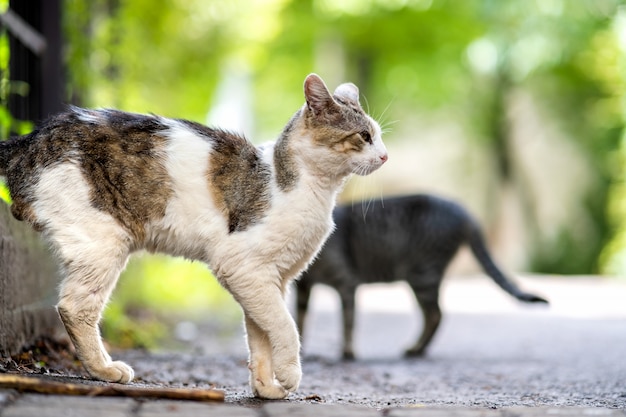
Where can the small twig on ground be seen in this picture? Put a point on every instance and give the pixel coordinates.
(43, 386)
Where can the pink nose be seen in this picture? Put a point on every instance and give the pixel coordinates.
(384, 158)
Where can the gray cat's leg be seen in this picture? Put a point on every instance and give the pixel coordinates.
(428, 300)
(83, 295)
(348, 305)
(302, 305)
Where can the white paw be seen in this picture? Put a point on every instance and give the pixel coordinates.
(268, 391)
(289, 376)
(116, 371)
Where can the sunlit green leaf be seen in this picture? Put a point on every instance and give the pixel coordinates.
(4, 193)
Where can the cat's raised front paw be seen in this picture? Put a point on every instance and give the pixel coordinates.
(116, 371)
(289, 376)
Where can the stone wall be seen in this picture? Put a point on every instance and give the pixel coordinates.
(28, 286)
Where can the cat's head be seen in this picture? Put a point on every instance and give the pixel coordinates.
(342, 137)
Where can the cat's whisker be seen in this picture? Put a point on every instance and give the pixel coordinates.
(362, 169)
(341, 168)
(381, 196)
(359, 184)
(367, 203)
(367, 103)
(375, 191)
(381, 116)
(386, 127)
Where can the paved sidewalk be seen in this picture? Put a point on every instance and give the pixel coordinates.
(33, 405)
(492, 357)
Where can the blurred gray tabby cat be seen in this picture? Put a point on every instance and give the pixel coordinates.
(408, 238)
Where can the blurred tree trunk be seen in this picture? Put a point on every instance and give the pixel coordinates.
(514, 184)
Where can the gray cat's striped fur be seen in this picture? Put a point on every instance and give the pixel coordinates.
(410, 238)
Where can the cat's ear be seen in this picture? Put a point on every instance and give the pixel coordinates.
(348, 91)
(317, 96)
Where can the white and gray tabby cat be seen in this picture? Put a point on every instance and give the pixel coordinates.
(101, 184)
(408, 238)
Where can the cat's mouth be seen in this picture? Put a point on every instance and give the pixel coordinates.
(373, 165)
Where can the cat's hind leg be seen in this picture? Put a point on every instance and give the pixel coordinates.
(428, 300)
(303, 292)
(93, 249)
(347, 294)
(88, 283)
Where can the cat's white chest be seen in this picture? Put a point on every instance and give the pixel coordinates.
(296, 227)
(288, 238)
(304, 233)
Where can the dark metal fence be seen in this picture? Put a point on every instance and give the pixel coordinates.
(35, 42)
(28, 277)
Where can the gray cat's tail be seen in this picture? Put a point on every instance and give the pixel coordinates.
(477, 244)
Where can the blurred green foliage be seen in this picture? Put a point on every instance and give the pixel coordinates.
(155, 293)
(440, 58)
(412, 59)
(9, 124)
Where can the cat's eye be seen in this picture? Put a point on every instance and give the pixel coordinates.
(366, 136)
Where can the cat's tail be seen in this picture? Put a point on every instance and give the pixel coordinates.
(478, 247)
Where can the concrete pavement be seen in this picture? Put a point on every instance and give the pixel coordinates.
(34, 405)
(492, 357)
